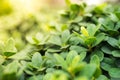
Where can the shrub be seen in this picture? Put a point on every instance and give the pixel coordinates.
(86, 46)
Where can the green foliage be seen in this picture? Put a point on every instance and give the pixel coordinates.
(85, 46)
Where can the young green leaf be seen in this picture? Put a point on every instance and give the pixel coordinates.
(84, 31)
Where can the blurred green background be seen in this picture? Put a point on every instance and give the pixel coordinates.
(21, 18)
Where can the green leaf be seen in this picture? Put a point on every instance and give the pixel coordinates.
(65, 36)
(99, 38)
(47, 76)
(99, 54)
(82, 78)
(107, 64)
(60, 60)
(37, 59)
(23, 54)
(84, 31)
(113, 17)
(78, 49)
(102, 77)
(10, 71)
(88, 70)
(113, 42)
(117, 26)
(116, 53)
(95, 60)
(74, 7)
(90, 40)
(92, 29)
(39, 77)
(55, 40)
(82, 56)
(107, 49)
(59, 75)
(114, 72)
(10, 48)
(70, 57)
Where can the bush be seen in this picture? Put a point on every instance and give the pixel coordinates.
(85, 46)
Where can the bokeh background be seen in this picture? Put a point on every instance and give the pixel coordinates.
(21, 18)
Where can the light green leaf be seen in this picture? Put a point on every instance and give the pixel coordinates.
(92, 29)
(60, 60)
(113, 17)
(99, 38)
(37, 59)
(10, 48)
(114, 72)
(116, 53)
(70, 57)
(102, 77)
(106, 49)
(113, 42)
(82, 55)
(88, 70)
(78, 49)
(55, 40)
(65, 36)
(23, 54)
